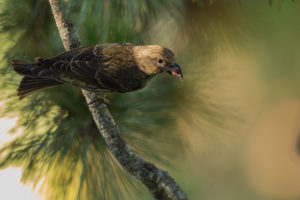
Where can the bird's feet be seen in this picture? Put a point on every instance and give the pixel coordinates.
(100, 99)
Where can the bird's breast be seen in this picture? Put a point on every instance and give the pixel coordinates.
(133, 82)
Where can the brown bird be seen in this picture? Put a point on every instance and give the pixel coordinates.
(114, 67)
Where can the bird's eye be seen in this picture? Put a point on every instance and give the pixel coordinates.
(160, 60)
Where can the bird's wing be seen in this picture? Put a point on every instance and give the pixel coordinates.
(88, 65)
(90, 53)
(78, 64)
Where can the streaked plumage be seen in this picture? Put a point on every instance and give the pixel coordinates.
(115, 67)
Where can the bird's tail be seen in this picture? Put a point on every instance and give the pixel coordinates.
(28, 68)
(35, 77)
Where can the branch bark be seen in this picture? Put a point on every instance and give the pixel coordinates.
(158, 182)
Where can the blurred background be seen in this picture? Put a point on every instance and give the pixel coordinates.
(230, 130)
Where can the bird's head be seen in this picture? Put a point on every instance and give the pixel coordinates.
(155, 59)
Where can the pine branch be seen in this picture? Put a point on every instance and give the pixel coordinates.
(158, 182)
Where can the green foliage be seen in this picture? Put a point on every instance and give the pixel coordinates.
(120, 21)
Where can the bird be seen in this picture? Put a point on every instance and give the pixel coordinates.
(102, 68)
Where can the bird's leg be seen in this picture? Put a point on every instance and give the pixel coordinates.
(101, 98)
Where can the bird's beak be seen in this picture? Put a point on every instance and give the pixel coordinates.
(175, 70)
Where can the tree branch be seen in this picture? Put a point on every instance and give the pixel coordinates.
(158, 182)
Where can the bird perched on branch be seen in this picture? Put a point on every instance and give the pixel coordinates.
(115, 67)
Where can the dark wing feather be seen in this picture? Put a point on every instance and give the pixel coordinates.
(91, 53)
(95, 65)
(80, 70)
(79, 64)
(84, 69)
(69, 55)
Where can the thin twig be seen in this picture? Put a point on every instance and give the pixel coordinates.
(158, 182)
